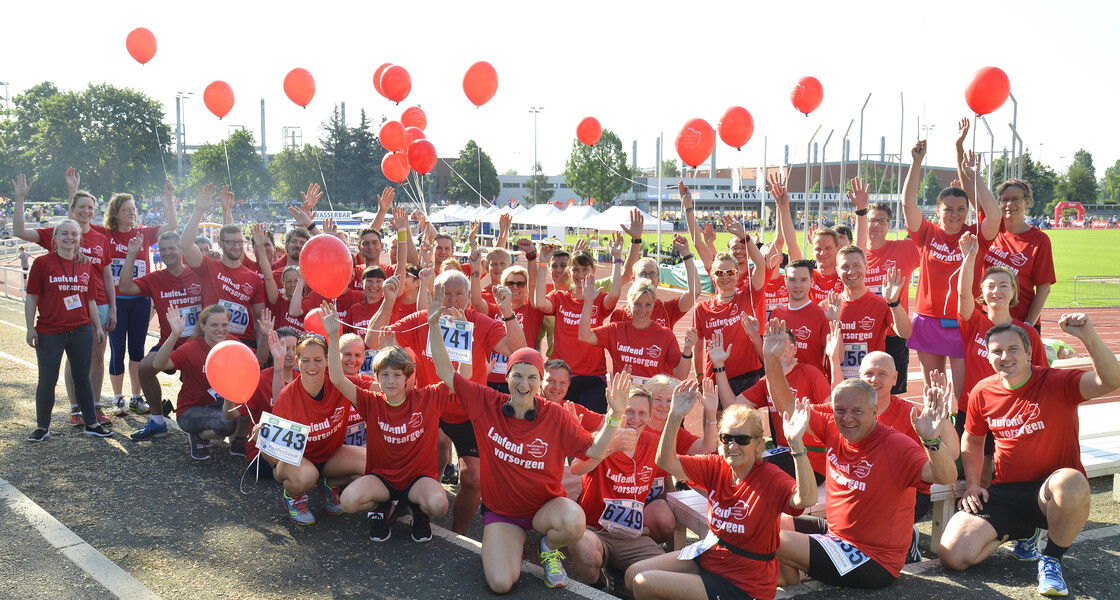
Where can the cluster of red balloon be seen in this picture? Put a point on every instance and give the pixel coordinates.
(232, 370)
(988, 91)
(408, 146)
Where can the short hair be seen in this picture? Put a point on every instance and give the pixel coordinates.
(362, 233)
(168, 235)
(740, 415)
(311, 339)
(859, 385)
(228, 229)
(851, 249)
(641, 390)
(201, 239)
(204, 316)
(411, 269)
(883, 206)
(296, 232)
(491, 253)
(350, 338)
(953, 191)
(443, 236)
(639, 289)
(373, 273)
(393, 357)
(1019, 183)
(802, 263)
(845, 231)
(451, 264)
(283, 332)
(723, 256)
(583, 258)
(557, 363)
(515, 270)
(828, 232)
(997, 269)
(451, 274)
(562, 253)
(662, 383)
(1005, 327)
(289, 269)
(82, 194)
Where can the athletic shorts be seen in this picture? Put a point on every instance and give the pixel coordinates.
(931, 335)
(621, 552)
(489, 517)
(398, 495)
(103, 313)
(743, 382)
(1012, 509)
(989, 439)
(900, 352)
(462, 435)
(197, 419)
(869, 575)
(719, 587)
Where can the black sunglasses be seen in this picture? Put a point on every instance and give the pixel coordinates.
(738, 438)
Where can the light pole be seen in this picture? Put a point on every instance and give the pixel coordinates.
(536, 110)
(180, 130)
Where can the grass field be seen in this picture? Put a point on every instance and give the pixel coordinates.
(1076, 252)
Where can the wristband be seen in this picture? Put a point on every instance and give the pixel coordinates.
(402, 236)
(531, 256)
(618, 261)
(797, 454)
(687, 257)
(932, 445)
(688, 210)
(510, 318)
(686, 357)
(635, 240)
(718, 369)
(861, 212)
(895, 303)
(613, 422)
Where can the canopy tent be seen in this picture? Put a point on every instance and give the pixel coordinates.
(576, 216)
(615, 217)
(492, 218)
(451, 214)
(540, 214)
(487, 215)
(365, 215)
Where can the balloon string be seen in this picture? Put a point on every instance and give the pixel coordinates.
(225, 148)
(321, 176)
(160, 148)
(464, 180)
(608, 166)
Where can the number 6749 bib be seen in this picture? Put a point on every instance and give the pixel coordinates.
(282, 439)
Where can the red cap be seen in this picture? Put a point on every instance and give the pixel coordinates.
(527, 355)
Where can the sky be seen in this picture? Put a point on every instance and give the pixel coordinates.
(642, 69)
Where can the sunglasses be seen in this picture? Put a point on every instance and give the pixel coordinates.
(724, 273)
(738, 438)
(648, 274)
(515, 284)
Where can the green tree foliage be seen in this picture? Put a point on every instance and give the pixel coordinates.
(669, 168)
(1083, 158)
(598, 172)
(540, 190)
(108, 133)
(1043, 180)
(1079, 185)
(931, 188)
(880, 179)
(292, 170)
(351, 160)
(249, 176)
(1110, 185)
(467, 167)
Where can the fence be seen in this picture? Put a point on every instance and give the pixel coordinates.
(1095, 291)
(12, 282)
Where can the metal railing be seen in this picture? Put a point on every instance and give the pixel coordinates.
(1096, 290)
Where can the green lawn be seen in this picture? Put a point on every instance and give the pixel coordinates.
(1076, 252)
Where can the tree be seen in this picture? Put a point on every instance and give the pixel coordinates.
(1110, 185)
(880, 179)
(292, 170)
(245, 168)
(598, 172)
(540, 190)
(1083, 158)
(351, 160)
(466, 169)
(669, 168)
(510, 172)
(1079, 185)
(932, 188)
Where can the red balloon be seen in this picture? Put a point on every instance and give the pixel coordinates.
(736, 127)
(299, 85)
(313, 322)
(377, 77)
(395, 83)
(807, 95)
(988, 91)
(395, 166)
(232, 370)
(422, 156)
(141, 44)
(218, 98)
(411, 134)
(589, 131)
(414, 117)
(392, 136)
(326, 265)
(695, 142)
(480, 83)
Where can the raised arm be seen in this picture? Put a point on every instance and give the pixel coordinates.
(20, 187)
(892, 293)
(773, 345)
(384, 205)
(169, 214)
(162, 359)
(227, 199)
(617, 399)
(515, 335)
(390, 289)
(334, 354)
(295, 305)
(505, 221)
(929, 424)
(540, 297)
(705, 252)
(785, 220)
(719, 355)
(1105, 375)
(611, 301)
(589, 294)
(966, 301)
(442, 361)
(127, 286)
(206, 201)
(795, 423)
(271, 290)
(910, 211)
(988, 205)
(962, 134)
(860, 199)
(834, 351)
(684, 397)
(634, 232)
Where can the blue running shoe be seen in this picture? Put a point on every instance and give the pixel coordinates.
(1027, 548)
(1050, 581)
(151, 431)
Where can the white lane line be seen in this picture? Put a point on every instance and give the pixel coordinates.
(18, 361)
(103, 570)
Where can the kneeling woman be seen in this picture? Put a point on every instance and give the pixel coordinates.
(522, 443)
(400, 463)
(745, 499)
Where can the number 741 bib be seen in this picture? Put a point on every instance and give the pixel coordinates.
(458, 338)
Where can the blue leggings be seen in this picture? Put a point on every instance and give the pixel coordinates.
(133, 315)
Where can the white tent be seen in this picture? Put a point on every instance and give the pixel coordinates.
(615, 217)
(576, 216)
(365, 215)
(540, 214)
(451, 214)
(505, 210)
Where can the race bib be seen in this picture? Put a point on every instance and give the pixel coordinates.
(622, 517)
(853, 356)
(189, 315)
(214, 395)
(656, 489)
(367, 362)
(238, 317)
(876, 289)
(843, 555)
(356, 434)
(282, 439)
(72, 302)
(691, 551)
(501, 363)
(458, 338)
(139, 269)
(776, 450)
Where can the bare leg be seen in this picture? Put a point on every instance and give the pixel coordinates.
(1065, 500)
(430, 496)
(968, 540)
(364, 494)
(469, 496)
(502, 547)
(665, 576)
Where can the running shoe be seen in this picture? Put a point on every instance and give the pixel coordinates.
(200, 449)
(38, 435)
(330, 497)
(421, 525)
(379, 530)
(98, 430)
(101, 418)
(137, 405)
(120, 406)
(1027, 548)
(237, 446)
(554, 574)
(298, 510)
(914, 555)
(450, 475)
(76, 419)
(1050, 581)
(150, 431)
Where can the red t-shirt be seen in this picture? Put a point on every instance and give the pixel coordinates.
(897, 417)
(745, 515)
(412, 332)
(237, 289)
(184, 292)
(521, 461)
(583, 359)
(864, 324)
(685, 440)
(1035, 427)
(823, 284)
(190, 361)
(941, 259)
(650, 351)
(65, 292)
(810, 331)
(360, 312)
(401, 440)
(869, 488)
(260, 401)
(619, 477)
(357, 283)
(665, 314)
(401, 310)
(312, 300)
(777, 294)
(1030, 257)
(280, 316)
(899, 254)
(327, 417)
(118, 250)
(95, 245)
(806, 381)
(711, 316)
(976, 365)
(530, 320)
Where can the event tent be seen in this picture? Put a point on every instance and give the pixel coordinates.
(576, 216)
(540, 214)
(615, 217)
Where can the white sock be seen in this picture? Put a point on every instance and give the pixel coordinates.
(158, 419)
(544, 546)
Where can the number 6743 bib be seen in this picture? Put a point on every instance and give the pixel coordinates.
(282, 439)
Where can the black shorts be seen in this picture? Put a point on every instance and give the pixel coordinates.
(396, 495)
(719, 587)
(743, 382)
(922, 504)
(462, 435)
(1012, 509)
(784, 461)
(896, 347)
(869, 575)
(989, 440)
(589, 391)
